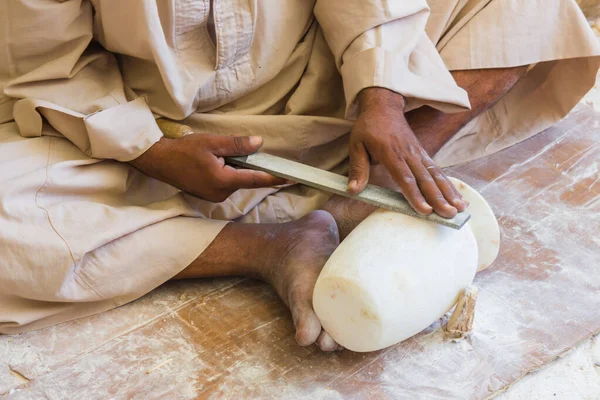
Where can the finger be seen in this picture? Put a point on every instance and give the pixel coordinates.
(225, 146)
(446, 186)
(464, 202)
(408, 184)
(448, 189)
(359, 168)
(234, 179)
(430, 190)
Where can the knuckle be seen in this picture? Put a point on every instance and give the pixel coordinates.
(426, 179)
(357, 168)
(238, 143)
(448, 191)
(413, 150)
(408, 179)
(397, 151)
(415, 158)
(438, 175)
(356, 145)
(424, 155)
(425, 159)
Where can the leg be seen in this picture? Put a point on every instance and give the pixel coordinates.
(433, 128)
(288, 256)
(485, 88)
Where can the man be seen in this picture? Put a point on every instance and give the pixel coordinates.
(97, 208)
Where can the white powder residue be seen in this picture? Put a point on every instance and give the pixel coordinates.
(576, 375)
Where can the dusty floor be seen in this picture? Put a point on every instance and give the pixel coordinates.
(577, 374)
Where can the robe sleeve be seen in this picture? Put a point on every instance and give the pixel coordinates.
(379, 43)
(61, 78)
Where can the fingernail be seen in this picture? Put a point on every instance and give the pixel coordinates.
(449, 207)
(256, 140)
(289, 182)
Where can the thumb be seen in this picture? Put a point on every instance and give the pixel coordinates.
(359, 168)
(225, 146)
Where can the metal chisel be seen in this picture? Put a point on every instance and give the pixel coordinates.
(324, 180)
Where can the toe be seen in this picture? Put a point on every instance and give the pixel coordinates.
(326, 342)
(308, 327)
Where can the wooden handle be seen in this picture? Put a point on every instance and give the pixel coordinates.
(173, 130)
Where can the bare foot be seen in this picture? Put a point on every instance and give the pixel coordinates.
(288, 256)
(307, 244)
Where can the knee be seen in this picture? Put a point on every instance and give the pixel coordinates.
(36, 267)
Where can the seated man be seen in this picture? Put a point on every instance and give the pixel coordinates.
(97, 208)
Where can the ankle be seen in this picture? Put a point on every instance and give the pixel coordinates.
(271, 246)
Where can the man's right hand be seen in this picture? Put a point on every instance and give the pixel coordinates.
(195, 164)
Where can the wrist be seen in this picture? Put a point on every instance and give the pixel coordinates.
(151, 158)
(380, 98)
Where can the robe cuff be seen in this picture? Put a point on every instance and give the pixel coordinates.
(124, 132)
(377, 67)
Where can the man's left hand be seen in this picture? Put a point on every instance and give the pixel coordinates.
(382, 135)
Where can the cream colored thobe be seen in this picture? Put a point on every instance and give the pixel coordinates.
(83, 81)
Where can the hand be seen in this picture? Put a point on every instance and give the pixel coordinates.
(195, 164)
(382, 135)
